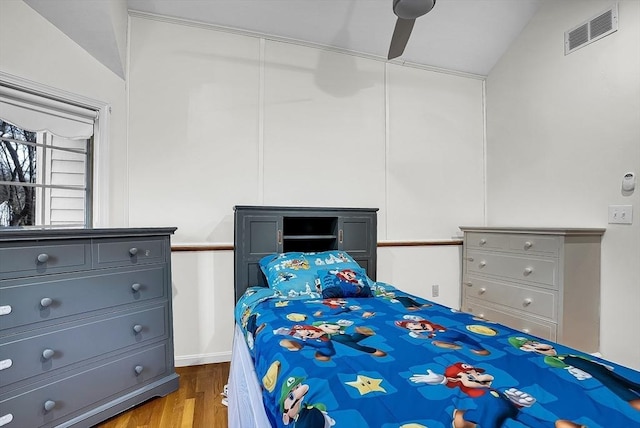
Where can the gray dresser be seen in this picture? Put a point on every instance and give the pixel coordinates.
(85, 324)
(542, 281)
(263, 230)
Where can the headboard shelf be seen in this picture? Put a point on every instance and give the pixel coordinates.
(263, 230)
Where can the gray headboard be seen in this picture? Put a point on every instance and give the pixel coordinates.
(263, 230)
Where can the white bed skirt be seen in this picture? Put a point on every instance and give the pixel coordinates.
(244, 392)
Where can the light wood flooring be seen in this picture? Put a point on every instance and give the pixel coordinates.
(197, 403)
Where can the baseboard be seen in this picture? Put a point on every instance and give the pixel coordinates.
(196, 360)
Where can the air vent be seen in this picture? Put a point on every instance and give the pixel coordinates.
(591, 30)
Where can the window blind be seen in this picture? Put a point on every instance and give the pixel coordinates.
(37, 113)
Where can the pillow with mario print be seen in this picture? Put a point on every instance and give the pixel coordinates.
(343, 282)
(288, 273)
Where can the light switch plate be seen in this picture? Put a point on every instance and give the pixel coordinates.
(620, 214)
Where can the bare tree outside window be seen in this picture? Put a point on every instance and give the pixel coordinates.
(43, 178)
(18, 163)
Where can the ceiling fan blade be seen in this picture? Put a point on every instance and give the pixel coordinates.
(400, 37)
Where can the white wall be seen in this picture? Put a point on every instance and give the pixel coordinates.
(220, 119)
(561, 132)
(32, 48)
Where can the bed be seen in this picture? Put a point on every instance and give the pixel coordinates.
(324, 345)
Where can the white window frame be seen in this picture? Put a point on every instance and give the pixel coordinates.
(100, 167)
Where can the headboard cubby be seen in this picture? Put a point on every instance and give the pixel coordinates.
(264, 230)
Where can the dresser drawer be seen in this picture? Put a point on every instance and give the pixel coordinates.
(118, 252)
(486, 241)
(540, 328)
(531, 300)
(46, 405)
(535, 244)
(41, 258)
(536, 270)
(27, 357)
(27, 301)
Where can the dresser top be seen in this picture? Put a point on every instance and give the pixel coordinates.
(22, 234)
(568, 231)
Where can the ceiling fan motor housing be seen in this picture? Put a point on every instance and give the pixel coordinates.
(412, 9)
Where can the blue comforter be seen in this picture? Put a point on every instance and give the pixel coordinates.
(396, 360)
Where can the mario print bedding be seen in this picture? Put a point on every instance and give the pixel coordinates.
(388, 359)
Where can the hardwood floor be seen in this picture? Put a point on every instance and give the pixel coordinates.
(197, 403)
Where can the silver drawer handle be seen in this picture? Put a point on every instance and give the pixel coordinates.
(470, 259)
(138, 369)
(525, 330)
(5, 419)
(46, 302)
(527, 302)
(528, 245)
(528, 271)
(137, 328)
(483, 241)
(133, 251)
(49, 405)
(481, 316)
(135, 287)
(43, 258)
(482, 290)
(468, 284)
(48, 353)
(483, 264)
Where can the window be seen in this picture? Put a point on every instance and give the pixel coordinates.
(44, 180)
(47, 141)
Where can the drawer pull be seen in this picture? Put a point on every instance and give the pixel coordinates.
(483, 241)
(482, 290)
(46, 302)
(483, 264)
(528, 245)
(5, 364)
(525, 330)
(133, 251)
(135, 287)
(48, 353)
(470, 259)
(138, 369)
(5, 419)
(49, 405)
(527, 302)
(5, 309)
(137, 328)
(43, 258)
(528, 271)
(469, 284)
(481, 316)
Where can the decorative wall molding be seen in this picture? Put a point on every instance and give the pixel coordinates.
(229, 247)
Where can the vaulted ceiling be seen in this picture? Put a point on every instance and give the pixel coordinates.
(467, 36)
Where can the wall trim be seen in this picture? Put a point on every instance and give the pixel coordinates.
(229, 247)
(198, 359)
(425, 243)
(201, 247)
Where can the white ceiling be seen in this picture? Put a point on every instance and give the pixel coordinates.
(466, 36)
(461, 35)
